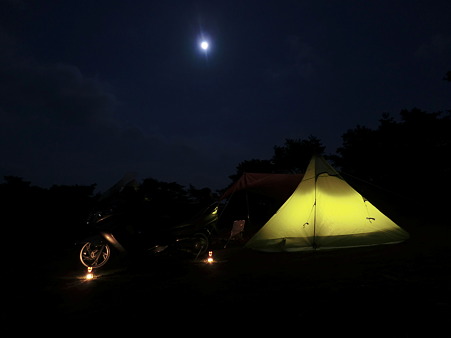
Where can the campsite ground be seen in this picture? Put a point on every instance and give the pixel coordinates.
(391, 289)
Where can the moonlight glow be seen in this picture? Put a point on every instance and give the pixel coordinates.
(204, 45)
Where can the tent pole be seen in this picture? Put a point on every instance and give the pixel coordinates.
(247, 207)
(314, 221)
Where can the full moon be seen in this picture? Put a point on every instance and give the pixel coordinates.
(204, 45)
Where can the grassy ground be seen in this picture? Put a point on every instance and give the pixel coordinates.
(395, 290)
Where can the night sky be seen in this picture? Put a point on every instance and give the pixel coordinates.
(92, 90)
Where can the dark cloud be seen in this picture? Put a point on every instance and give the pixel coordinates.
(58, 123)
(436, 47)
(300, 61)
(57, 93)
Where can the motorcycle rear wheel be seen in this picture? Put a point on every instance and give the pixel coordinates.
(94, 254)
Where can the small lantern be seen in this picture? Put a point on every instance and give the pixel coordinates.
(210, 257)
(90, 274)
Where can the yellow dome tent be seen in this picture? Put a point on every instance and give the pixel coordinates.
(325, 212)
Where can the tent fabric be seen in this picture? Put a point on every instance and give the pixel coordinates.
(279, 186)
(325, 212)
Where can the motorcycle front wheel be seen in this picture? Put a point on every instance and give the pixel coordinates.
(196, 245)
(94, 254)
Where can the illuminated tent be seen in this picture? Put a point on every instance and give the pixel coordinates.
(325, 212)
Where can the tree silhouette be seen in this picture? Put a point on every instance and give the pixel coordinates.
(295, 154)
(252, 166)
(292, 157)
(408, 157)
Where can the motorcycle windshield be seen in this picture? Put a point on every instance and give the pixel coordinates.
(202, 220)
(129, 180)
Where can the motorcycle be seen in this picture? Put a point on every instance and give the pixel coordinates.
(121, 231)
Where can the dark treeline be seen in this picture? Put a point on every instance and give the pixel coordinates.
(406, 158)
(402, 164)
(55, 216)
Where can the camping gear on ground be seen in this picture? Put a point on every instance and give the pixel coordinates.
(237, 230)
(325, 212)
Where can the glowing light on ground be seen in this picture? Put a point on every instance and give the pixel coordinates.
(90, 274)
(210, 259)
